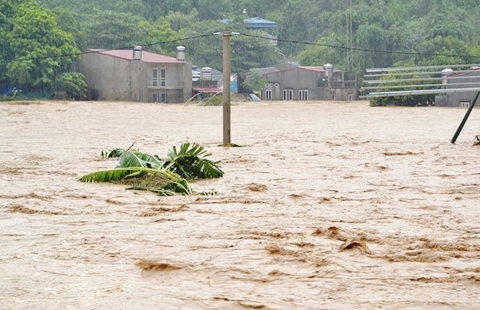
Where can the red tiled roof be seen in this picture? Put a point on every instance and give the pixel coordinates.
(128, 55)
(316, 69)
(463, 73)
(309, 68)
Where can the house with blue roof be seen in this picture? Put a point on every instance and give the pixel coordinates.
(262, 24)
(259, 23)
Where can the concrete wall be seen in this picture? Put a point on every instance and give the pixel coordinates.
(455, 99)
(106, 76)
(178, 82)
(137, 81)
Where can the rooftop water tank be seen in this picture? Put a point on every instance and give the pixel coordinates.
(446, 72)
(207, 73)
(181, 53)
(137, 53)
(328, 68)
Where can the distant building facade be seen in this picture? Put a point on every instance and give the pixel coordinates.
(115, 75)
(308, 83)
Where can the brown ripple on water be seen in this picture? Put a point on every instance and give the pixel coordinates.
(151, 265)
(16, 208)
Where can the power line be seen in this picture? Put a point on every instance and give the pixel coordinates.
(103, 50)
(351, 48)
(361, 49)
(163, 42)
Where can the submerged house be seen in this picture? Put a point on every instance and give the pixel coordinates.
(136, 75)
(309, 83)
(466, 79)
(209, 82)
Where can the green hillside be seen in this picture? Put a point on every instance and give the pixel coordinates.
(353, 35)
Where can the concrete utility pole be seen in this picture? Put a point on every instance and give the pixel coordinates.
(226, 88)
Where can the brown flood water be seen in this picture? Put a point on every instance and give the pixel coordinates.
(326, 206)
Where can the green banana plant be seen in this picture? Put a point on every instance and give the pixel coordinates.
(143, 171)
(191, 162)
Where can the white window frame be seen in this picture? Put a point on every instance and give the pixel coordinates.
(163, 77)
(303, 94)
(288, 94)
(268, 94)
(155, 77)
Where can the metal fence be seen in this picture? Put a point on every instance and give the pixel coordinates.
(428, 80)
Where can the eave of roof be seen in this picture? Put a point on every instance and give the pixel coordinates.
(471, 70)
(128, 55)
(257, 22)
(312, 68)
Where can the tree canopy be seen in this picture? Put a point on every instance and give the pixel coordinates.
(36, 50)
(39, 48)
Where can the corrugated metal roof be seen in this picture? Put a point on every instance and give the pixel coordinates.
(267, 70)
(206, 90)
(128, 55)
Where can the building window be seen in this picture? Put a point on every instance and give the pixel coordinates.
(155, 77)
(288, 94)
(267, 94)
(303, 94)
(159, 97)
(163, 77)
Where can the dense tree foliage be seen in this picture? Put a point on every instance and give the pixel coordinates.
(37, 49)
(73, 84)
(351, 34)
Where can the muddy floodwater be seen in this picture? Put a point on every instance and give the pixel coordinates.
(325, 205)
